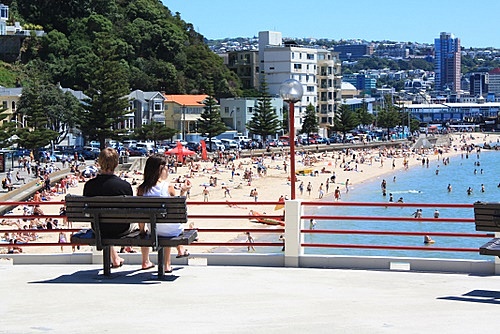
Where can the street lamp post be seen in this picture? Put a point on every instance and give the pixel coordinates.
(183, 125)
(291, 91)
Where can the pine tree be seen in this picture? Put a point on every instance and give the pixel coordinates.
(345, 120)
(210, 123)
(310, 123)
(264, 122)
(107, 106)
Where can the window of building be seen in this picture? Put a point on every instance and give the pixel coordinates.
(310, 88)
(226, 110)
(4, 104)
(310, 56)
(158, 106)
(13, 105)
(297, 66)
(249, 110)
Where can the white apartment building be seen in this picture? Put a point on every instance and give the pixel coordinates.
(237, 112)
(315, 68)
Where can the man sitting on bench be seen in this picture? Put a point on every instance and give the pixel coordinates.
(106, 183)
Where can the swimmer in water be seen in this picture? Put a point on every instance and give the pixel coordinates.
(428, 240)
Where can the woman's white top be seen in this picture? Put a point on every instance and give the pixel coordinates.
(167, 229)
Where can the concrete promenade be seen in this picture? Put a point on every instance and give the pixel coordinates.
(224, 299)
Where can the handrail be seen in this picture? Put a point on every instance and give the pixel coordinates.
(283, 230)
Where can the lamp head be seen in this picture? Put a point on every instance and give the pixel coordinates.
(291, 91)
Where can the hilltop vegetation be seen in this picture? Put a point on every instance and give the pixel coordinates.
(159, 51)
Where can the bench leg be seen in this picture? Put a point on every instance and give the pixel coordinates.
(161, 262)
(106, 256)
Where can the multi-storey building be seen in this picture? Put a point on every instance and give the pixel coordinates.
(312, 67)
(237, 112)
(329, 82)
(246, 66)
(494, 82)
(353, 51)
(478, 84)
(447, 62)
(364, 82)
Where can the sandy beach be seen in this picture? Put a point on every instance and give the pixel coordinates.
(355, 165)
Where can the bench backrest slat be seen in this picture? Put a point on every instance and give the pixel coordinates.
(487, 216)
(120, 209)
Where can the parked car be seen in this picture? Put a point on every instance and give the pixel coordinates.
(137, 151)
(230, 144)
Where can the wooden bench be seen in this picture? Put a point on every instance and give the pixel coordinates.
(128, 209)
(487, 218)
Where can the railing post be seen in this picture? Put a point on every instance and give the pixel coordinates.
(293, 237)
(497, 259)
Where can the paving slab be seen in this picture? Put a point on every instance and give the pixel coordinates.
(220, 299)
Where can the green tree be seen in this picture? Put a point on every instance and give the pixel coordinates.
(7, 129)
(364, 117)
(155, 132)
(36, 110)
(264, 121)
(389, 116)
(107, 105)
(210, 123)
(345, 120)
(310, 123)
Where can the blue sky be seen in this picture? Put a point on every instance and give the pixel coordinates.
(475, 23)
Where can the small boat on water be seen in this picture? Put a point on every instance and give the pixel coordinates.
(267, 221)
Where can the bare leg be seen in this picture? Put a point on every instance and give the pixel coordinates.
(146, 264)
(180, 250)
(115, 259)
(168, 267)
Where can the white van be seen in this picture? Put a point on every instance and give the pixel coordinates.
(230, 144)
(149, 146)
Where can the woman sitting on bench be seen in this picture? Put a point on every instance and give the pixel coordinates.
(155, 184)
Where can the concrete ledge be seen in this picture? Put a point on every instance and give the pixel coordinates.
(385, 263)
(276, 260)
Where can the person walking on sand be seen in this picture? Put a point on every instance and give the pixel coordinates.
(301, 188)
(347, 185)
(336, 194)
(205, 194)
(250, 241)
(255, 194)
(321, 192)
(309, 188)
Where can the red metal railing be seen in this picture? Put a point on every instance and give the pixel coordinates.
(240, 243)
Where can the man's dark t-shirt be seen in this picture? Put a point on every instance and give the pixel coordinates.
(109, 185)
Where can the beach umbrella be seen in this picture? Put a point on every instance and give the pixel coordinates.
(180, 151)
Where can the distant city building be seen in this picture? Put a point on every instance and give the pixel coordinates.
(447, 62)
(348, 90)
(246, 66)
(237, 112)
(494, 82)
(353, 51)
(453, 113)
(478, 84)
(396, 50)
(363, 82)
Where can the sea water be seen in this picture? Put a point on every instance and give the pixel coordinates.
(418, 184)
